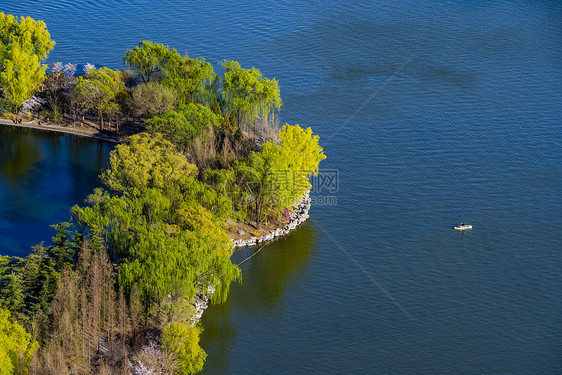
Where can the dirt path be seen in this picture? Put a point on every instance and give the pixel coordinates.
(62, 129)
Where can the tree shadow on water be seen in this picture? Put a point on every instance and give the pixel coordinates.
(267, 276)
(18, 152)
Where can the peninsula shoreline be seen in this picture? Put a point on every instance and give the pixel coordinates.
(200, 303)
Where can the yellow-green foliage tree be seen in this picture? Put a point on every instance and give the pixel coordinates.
(164, 224)
(98, 90)
(277, 176)
(148, 59)
(183, 340)
(24, 45)
(294, 161)
(16, 348)
(146, 161)
(185, 124)
(247, 94)
(190, 77)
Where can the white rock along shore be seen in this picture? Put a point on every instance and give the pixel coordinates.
(298, 216)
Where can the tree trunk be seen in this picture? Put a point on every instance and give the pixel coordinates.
(258, 211)
(101, 121)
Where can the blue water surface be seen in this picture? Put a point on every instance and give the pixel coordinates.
(432, 113)
(42, 175)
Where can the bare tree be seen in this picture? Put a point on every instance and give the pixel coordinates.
(151, 360)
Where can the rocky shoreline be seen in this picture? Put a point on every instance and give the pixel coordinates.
(298, 216)
(200, 304)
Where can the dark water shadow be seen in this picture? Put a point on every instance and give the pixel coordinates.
(42, 175)
(262, 293)
(18, 152)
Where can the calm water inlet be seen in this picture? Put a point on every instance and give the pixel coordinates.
(42, 175)
(433, 113)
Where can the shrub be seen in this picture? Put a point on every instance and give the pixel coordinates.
(5, 105)
(183, 340)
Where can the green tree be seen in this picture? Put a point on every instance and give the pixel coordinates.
(21, 74)
(110, 222)
(278, 175)
(192, 78)
(165, 224)
(293, 162)
(12, 296)
(173, 126)
(184, 124)
(183, 340)
(177, 246)
(32, 268)
(32, 36)
(24, 44)
(303, 148)
(5, 263)
(246, 94)
(254, 176)
(62, 251)
(151, 99)
(16, 348)
(148, 60)
(146, 160)
(97, 91)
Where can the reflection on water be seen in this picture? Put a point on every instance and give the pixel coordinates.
(262, 293)
(18, 152)
(267, 274)
(42, 174)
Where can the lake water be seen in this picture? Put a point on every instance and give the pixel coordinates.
(431, 113)
(42, 175)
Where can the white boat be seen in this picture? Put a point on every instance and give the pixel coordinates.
(463, 227)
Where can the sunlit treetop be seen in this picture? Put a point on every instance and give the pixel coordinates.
(29, 35)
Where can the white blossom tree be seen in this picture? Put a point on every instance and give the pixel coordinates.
(88, 67)
(69, 71)
(56, 68)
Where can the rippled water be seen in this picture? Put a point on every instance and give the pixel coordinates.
(432, 113)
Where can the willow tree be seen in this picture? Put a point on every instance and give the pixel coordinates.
(190, 77)
(146, 161)
(174, 260)
(24, 45)
(148, 60)
(247, 95)
(99, 90)
(183, 125)
(163, 223)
